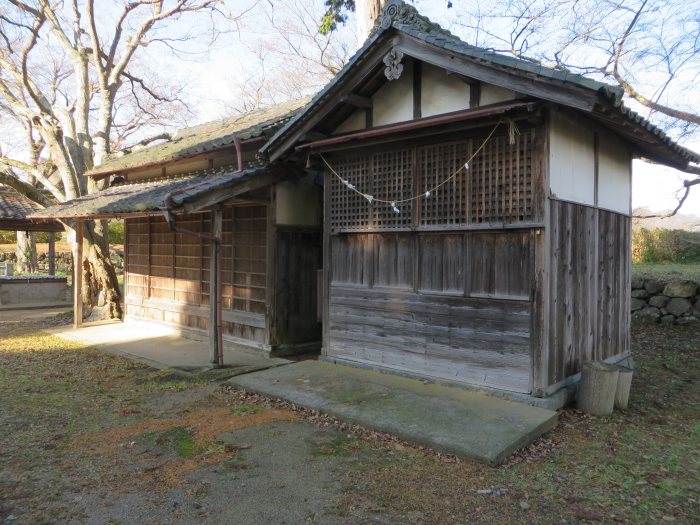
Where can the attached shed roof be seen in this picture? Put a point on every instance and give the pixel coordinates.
(156, 195)
(14, 209)
(204, 137)
(401, 25)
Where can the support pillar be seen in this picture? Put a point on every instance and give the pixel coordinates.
(78, 276)
(215, 323)
(52, 253)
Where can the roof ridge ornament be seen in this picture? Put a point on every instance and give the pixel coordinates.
(398, 12)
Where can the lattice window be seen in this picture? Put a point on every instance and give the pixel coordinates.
(501, 175)
(249, 258)
(448, 204)
(350, 210)
(392, 179)
(498, 187)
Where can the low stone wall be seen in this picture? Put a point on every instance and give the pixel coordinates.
(674, 302)
(35, 289)
(64, 261)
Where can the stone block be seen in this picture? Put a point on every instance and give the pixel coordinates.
(637, 304)
(678, 306)
(640, 293)
(687, 320)
(668, 319)
(683, 289)
(659, 301)
(647, 315)
(654, 287)
(637, 283)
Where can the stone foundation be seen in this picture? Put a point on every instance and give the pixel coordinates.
(672, 302)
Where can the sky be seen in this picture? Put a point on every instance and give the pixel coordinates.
(212, 82)
(213, 79)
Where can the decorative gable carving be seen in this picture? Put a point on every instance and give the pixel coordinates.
(394, 67)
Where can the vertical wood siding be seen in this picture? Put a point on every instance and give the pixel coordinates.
(168, 273)
(588, 292)
(297, 259)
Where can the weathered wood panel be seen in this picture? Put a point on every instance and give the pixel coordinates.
(589, 296)
(500, 265)
(168, 273)
(297, 259)
(477, 341)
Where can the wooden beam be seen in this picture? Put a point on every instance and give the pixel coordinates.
(475, 95)
(78, 276)
(218, 196)
(362, 72)
(271, 307)
(357, 101)
(52, 253)
(516, 80)
(417, 89)
(215, 324)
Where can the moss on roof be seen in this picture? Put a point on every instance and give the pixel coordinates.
(204, 137)
(151, 196)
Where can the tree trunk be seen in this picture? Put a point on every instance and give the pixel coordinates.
(367, 12)
(100, 290)
(26, 253)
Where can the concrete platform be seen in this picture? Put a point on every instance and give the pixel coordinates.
(160, 346)
(468, 424)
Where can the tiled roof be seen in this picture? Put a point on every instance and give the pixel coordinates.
(152, 196)
(15, 206)
(204, 137)
(405, 18)
(14, 209)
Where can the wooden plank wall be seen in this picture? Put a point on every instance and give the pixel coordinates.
(454, 306)
(297, 259)
(167, 274)
(588, 287)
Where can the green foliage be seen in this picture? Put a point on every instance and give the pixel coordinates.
(337, 13)
(667, 246)
(10, 237)
(116, 232)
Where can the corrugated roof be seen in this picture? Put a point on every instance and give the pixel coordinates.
(152, 196)
(406, 19)
(204, 137)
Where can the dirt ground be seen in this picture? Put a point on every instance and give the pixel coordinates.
(93, 438)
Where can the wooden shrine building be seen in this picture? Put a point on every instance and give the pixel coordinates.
(217, 244)
(476, 210)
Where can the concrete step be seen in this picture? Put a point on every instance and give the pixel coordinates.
(468, 424)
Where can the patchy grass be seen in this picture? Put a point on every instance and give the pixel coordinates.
(640, 466)
(76, 421)
(666, 272)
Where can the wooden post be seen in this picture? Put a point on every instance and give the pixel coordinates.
(596, 393)
(215, 335)
(52, 253)
(78, 276)
(624, 383)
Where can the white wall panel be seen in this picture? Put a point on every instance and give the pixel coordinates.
(571, 160)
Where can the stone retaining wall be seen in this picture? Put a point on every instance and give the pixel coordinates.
(64, 261)
(671, 302)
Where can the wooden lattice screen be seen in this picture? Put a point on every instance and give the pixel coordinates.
(498, 187)
(174, 267)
